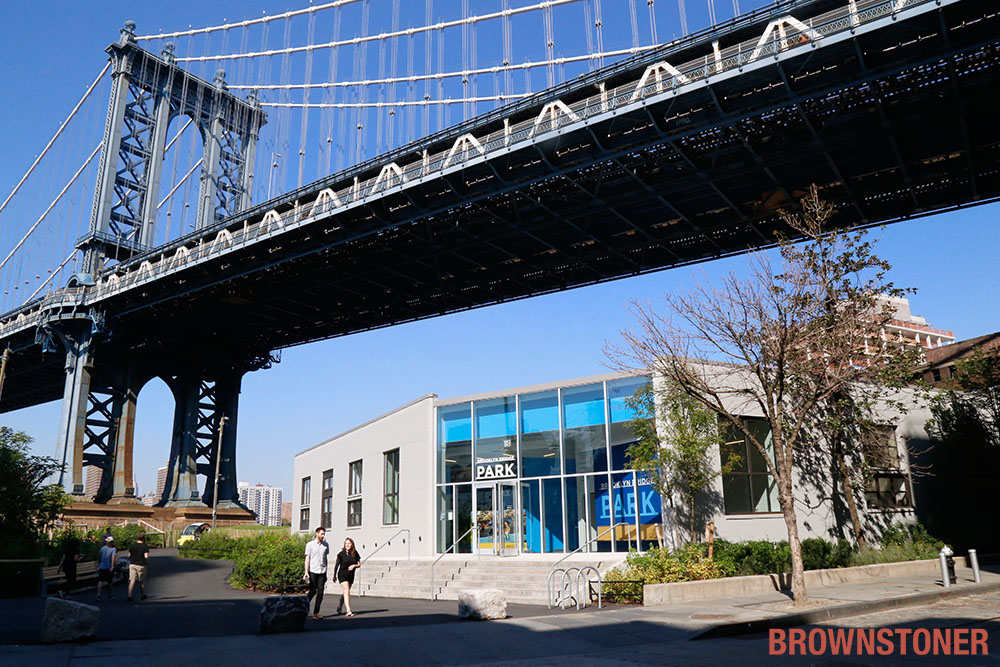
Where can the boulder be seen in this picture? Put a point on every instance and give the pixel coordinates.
(66, 620)
(284, 613)
(482, 603)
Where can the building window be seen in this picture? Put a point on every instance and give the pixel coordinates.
(304, 518)
(880, 448)
(306, 486)
(354, 513)
(354, 489)
(327, 508)
(888, 487)
(749, 487)
(390, 505)
(886, 491)
(936, 374)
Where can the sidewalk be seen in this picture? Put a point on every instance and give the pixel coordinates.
(390, 632)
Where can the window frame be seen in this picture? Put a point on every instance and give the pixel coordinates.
(390, 497)
(304, 517)
(749, 454)
(355, 483)
(326, 507)
(305, 491)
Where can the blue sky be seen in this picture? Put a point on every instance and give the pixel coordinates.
(52, 51)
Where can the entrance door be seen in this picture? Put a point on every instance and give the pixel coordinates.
(496, 518)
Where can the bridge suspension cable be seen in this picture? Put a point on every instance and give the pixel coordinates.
(381, 36)
(51, 276)
(248, 22)
(51, 206)
(62, 127)
(400, 103)
(444, 75)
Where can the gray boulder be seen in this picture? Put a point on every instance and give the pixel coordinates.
(482, 603)
(66, 620)
(284, 613)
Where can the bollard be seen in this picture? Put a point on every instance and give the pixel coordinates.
(942, 556)
(974, 562)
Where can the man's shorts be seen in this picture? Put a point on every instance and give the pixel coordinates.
(137, 573)
(104, 575)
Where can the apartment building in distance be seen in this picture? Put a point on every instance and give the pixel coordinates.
(264, 501)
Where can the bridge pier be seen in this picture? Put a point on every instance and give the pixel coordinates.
(200, 406)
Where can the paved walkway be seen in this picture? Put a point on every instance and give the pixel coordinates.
(193, 617)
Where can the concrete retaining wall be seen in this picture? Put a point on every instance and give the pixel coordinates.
(734, 587)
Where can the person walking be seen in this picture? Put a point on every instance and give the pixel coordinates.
(348, 560)
(71, 556)
(317, 552)
(138, 553)
(105, 566)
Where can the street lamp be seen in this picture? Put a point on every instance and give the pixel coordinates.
(270, 177)
(218, 458)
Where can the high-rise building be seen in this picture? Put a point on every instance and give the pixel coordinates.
(161, 481)
(264, 501)
(92, 482)
(906, 327)
(150, 499)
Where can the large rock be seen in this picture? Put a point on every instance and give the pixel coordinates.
(66, 620)
(482, 603)
(284, 613)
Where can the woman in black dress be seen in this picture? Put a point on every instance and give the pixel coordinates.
(348, 561)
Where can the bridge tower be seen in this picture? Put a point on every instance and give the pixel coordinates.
(102, 379)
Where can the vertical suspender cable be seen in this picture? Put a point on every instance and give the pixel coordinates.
(683, 15)
(62, 127)
(466, 49)
(635, 24)
(392, 74)
(652, 21)
(599, 30)
(711, 11)
(550, 44)
(428, 43)
(736, 8)
(508, 51)
(304, 122)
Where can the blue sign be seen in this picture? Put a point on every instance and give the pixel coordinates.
(626, 500)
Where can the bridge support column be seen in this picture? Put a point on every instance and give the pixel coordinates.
(123, 484)
(181, 488)
(200, 407)
(73, 425)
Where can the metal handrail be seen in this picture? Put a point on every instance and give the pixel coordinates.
(384, 545)
(594, 539)
(474, 527)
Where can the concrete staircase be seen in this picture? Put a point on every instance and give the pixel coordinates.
(522, 580)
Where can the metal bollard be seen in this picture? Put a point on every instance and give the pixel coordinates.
(974, 562)
(943, 557)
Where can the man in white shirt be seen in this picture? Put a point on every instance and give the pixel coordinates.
(317, 552)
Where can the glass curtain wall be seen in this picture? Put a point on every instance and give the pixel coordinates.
(562, 453)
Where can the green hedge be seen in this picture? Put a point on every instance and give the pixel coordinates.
(732, 559)
(268, 562)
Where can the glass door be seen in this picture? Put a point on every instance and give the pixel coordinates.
(496, 519)
(507, 528)
(486, 542)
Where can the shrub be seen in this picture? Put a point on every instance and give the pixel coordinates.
(754, 557)
(270, 562)
(213, 545)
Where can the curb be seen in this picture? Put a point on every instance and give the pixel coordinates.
(843, 611)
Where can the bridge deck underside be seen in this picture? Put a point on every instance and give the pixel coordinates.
(892, 124)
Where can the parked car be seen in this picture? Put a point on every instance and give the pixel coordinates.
(193, 531)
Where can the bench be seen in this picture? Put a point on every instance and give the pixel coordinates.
(85, 571)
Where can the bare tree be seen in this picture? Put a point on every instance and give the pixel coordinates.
(786, 342)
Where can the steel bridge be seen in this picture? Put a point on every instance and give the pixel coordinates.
(680, 155)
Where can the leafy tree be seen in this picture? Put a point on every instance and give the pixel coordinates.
(971, 417)
(675, 437)
(27, 505)
(790, 339)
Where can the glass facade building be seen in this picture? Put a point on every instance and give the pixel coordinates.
(543, 472)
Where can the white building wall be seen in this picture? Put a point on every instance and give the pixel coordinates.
(409, 428)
